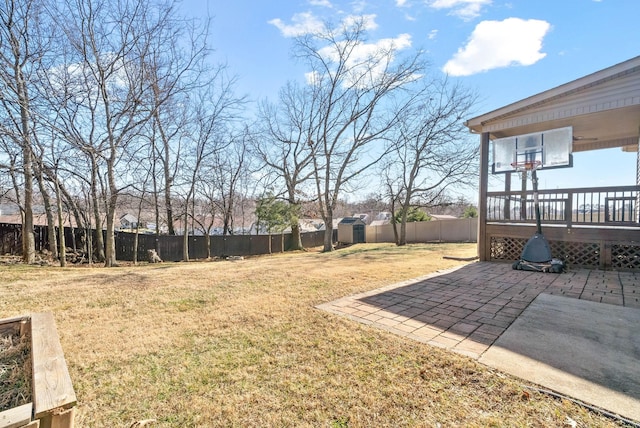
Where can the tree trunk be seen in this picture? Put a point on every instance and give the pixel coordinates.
(296, 239)
(99, 239)
(402, 240)
(28, 239)
(394, 223)
(185, 242)
(167, 191)
(135, 243)
(110, 254)
(208, 241)
(63, 249)
(51, 223)
(328, 232)
(403, 224)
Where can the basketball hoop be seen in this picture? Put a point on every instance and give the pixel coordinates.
(527, 165)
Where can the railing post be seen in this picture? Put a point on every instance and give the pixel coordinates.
(569, 210)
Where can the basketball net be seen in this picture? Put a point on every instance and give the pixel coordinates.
(523, 167)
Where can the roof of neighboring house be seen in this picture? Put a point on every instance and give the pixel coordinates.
(129, 218)
(38, 220)
(442, 217)
(310, 224)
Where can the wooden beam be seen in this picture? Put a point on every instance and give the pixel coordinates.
(482, 197)
(16, 416)
(52, 387)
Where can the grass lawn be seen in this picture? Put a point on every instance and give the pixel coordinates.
(240, 344)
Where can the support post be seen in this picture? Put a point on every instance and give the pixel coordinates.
(483, 246)
(637, 210)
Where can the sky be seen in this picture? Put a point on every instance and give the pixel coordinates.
(503, 50)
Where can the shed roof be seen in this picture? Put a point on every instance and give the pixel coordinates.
(351, 220)
(603, 108)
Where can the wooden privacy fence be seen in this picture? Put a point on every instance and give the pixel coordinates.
(11, 238)
(168, 247)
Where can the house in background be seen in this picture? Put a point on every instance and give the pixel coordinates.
(442, 217)
(363, 217)
(602, 111)
(129, 221)
(383, 217)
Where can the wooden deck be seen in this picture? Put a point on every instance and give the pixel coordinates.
(595, 228)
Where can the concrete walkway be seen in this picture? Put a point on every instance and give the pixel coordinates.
(469, 308)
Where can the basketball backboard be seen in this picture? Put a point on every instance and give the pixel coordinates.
(552, 149)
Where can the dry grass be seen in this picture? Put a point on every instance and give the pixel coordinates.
(240, 344)
(15, 371)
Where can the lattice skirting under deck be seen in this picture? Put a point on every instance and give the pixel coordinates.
(625, 256)
(579, 254)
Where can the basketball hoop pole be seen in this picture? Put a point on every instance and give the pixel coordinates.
(536, 204)
(532, 165)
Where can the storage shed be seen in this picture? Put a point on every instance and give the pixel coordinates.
(351, 230)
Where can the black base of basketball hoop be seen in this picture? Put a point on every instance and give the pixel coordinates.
(554, 266)
(536, 255)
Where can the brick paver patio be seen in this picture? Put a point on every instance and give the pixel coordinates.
(466, 309)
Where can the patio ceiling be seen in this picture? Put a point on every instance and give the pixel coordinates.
(603, 108)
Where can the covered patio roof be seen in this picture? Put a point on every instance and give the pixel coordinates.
(603, 108)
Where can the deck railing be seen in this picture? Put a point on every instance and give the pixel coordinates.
(601, 206)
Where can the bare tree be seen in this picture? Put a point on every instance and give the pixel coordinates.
(352, 86)
(176, 73)
(126, 70)
(71, 114)
(46, 199)
(20, 53)
(213, 111)
(228, 172)
(283, 147)
(431, 152)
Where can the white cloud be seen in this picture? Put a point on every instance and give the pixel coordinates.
(368, 21)
(307, 23)
(495, 44)
(432, 34)
(464, 9)
(410, 17)
(401, 3)
(366, 50)
(360, 61)
(322, 3)
(301, 23)
(358, 5)
(312, 78)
